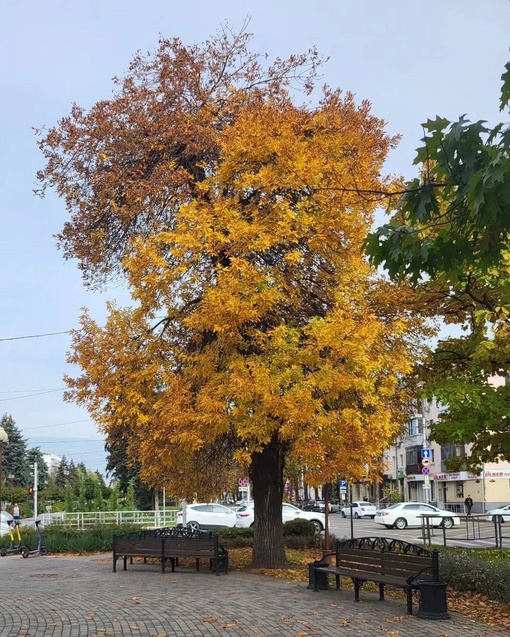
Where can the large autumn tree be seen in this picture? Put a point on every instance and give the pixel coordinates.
(258, 332)
(450, 237)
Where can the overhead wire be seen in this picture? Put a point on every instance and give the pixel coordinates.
(19, 338)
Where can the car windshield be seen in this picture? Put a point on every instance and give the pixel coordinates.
(394, 506)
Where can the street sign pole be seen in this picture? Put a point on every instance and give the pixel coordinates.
(425, 469)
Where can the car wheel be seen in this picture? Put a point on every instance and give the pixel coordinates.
(343, 514)
(373, 517)
(318, 526)
(498, 518)
(3, 552)
(356, 515)
(252, 525)
(448, 523)
(193, 526)
(400, 523)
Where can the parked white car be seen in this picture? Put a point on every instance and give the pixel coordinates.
(502, 512)
(359, 509)
(404, 514)
(245, 516)
(4, 518)
(207, 516)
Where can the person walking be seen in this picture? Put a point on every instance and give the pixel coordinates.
(16, 512)
(468, 503)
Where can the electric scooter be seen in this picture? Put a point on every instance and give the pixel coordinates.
(13, 548)
(41, 549)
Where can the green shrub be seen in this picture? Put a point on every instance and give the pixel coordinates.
(60, 539)
(301, 528)
(463, 572)
(235, 538)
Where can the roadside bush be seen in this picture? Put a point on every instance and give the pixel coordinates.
(60, 539)
(301, 528)
(296, 536)
(464, 573)
(235, 538)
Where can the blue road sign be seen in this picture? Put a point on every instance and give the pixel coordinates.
(425, 453)
(425, 471)
(342, 484)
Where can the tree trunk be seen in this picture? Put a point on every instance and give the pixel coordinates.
(266, 475)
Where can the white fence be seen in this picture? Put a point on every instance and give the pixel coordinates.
(84, 519)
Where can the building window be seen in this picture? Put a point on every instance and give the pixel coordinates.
(459, 488)
(432, 456)
(415, 427)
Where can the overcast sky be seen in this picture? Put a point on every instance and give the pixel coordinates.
(411, 59)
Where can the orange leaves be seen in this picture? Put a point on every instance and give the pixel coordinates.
(237, 218)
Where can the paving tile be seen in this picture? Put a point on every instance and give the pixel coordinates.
(81, 597)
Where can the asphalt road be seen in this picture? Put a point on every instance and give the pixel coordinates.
(479, 533)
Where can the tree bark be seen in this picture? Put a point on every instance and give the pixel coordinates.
(266, 475)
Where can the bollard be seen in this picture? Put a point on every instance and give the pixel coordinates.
(317, 577)
(433, 604)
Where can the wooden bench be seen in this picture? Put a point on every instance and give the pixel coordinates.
(170, 544)
(382, 561)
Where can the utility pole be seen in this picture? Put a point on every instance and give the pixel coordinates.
(35, 490)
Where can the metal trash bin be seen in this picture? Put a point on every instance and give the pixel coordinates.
(317, 576)
(433, 603)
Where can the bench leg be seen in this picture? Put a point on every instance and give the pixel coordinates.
(125, 562)
(358, 583)
(163, 564)
(409, 592)
(197, 563)
(337, 578)
(114, 563)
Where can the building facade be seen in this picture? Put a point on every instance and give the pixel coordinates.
(404, 472)
(52, 462)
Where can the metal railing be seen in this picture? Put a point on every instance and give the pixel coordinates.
(472, 527)
(85, 519)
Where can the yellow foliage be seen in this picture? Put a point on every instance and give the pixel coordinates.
(273, 323)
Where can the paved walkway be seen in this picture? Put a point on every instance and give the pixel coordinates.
(81, 597)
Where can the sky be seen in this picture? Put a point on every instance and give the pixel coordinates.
(412, 60)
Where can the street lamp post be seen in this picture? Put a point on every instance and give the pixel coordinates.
(3, 438)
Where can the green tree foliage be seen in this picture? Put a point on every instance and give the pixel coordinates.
(35, 455)
(125, 470)
(15, 460)
(450, 236)
(62, 477)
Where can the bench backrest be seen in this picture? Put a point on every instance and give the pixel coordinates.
(399, 565)
(149, 545)
(175, 546)
(171, 546)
